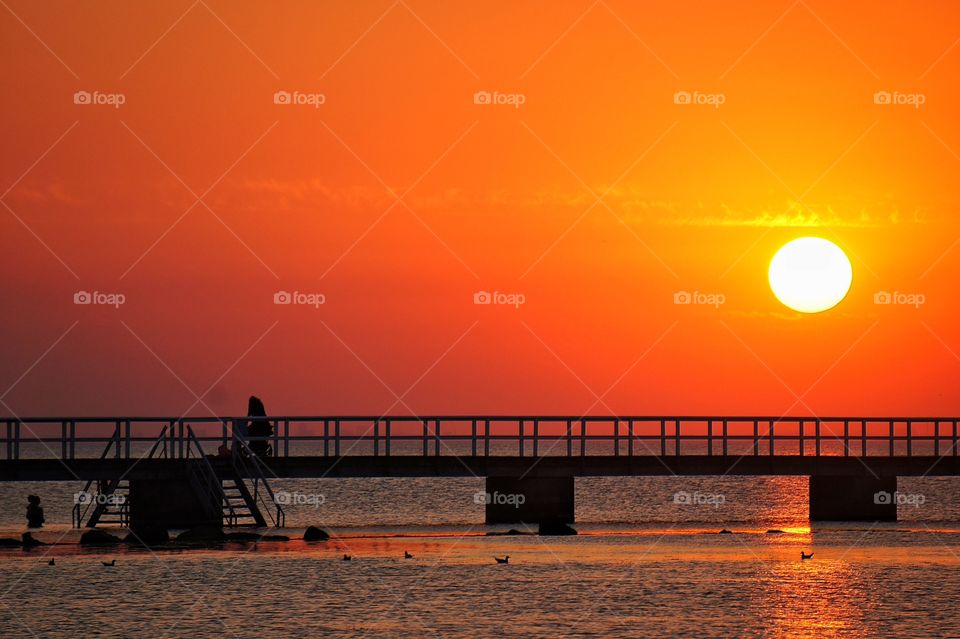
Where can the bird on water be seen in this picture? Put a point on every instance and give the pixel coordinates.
(505, 560)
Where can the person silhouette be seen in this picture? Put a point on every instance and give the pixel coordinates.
(34, 512)
(259, 430)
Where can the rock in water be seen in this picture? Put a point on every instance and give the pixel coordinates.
(312, 533)
(147, 537)
(98, 538)
(9, 543)
(29, 542)
(556, 529)
(202, 534)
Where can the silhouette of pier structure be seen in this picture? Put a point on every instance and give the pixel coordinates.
(184, 471)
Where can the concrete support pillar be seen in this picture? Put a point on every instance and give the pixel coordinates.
(849, 498)
(531, 500)
(171, 503)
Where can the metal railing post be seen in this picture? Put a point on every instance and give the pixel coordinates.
(326, 438)
(387, 428)
(630, 440)
(817, 435)
(286, 438)
(676, 432)
(909, 438)
(756, 437)
(336, 438)
(846, 438)
(486, 437)
(616, 437)
(663, 438)
(376, 438)
(473, 438)
(800, 424)
(583, 437)
(436, 437)
(520, 436)
(569, 438)
(709, 438)
(936, 438)
(536, 437)
(724, 438)
(770, 431)
(425, 428)
(890, 423)
(863, 437)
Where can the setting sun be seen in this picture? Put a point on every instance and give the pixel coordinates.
(810, 275)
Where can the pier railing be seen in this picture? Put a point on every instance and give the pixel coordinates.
(484, 435)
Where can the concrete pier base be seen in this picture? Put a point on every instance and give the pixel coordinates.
(531, 500)
(851, 498)
(170, 503)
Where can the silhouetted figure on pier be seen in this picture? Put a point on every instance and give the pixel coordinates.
(258, 429)
(34, 512)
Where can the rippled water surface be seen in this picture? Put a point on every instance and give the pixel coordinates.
(644, 567)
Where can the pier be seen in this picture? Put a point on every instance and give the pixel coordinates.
(188, 471)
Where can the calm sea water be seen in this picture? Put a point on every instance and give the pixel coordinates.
(644, 567)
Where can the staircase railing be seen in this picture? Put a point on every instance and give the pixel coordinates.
(206, 480)
(247, 464)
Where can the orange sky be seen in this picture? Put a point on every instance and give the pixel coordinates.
(494, 197)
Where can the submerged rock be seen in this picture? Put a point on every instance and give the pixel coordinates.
(147, 537)
(725, 532)
(98, 538)
(27, 540)
(556, 529)
(312, 533)
(511, 532)
(202, 534)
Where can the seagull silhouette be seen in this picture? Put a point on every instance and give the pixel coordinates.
(804, 555)
(112, 562)
(407, 555)
(347, 557)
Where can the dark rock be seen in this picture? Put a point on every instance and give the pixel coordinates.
(774, 531)
(9, 543)
(147, 536)
(312, 533)
(202, 534)
(511, 532)
(98, 538)
(725, 532)
(29, 542)
(556, 529)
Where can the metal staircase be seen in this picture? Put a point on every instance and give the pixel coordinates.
(111, 501)
(238, 505)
